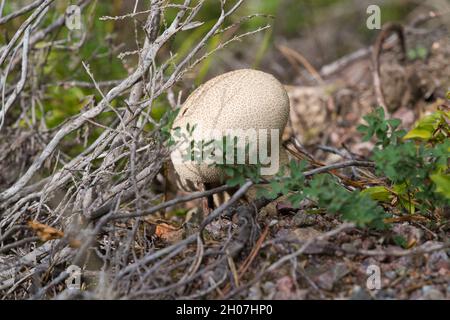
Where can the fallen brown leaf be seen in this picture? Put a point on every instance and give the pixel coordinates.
(45, 232)
(167, 232)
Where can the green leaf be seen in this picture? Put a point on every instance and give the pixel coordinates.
(442, 182)
(394, 123)
(426, 127)
(235, 181)
(295, 199)
(229, 171)
(418, 133)
(400, 241)
(422, 52)
(378, 193)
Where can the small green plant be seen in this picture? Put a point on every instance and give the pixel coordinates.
(418, 52)
(413, 167)
(166, 127)
(385, 131)
(401, 241)
(324, 189)
(415, 163)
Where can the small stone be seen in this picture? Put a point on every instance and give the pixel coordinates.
(408, 232)
(305, 234)
(286, 290)
(359, 293)
(269, 289)
(390, 275)
(438, 260)
(302, 219)
(348, 247)
(255, 292)
(431, 293)
(328, 279)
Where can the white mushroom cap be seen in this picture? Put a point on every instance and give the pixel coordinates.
(242, 99)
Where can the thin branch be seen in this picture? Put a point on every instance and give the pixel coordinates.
(21, 11)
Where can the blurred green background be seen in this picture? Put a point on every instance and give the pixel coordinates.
(322, 30)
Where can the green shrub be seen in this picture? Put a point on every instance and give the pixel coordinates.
(412, 167)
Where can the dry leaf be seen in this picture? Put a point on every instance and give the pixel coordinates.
(168, 233)
(74, 243)
(45, 232)
(165, 230)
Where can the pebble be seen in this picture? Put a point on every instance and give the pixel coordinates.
(431, 293)
(302, 219)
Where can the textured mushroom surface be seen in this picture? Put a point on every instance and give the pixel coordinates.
(243, 99)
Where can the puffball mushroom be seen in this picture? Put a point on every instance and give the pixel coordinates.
(238, 100)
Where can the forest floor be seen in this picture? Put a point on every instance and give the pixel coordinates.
(413, 256)
(274, 252)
